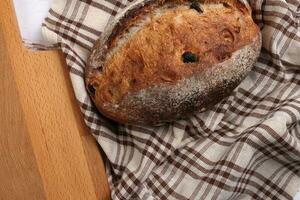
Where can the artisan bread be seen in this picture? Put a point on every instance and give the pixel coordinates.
(162, 60)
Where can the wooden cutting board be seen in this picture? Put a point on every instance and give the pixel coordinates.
(46, 151)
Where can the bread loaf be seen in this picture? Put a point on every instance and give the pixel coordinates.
(162, 60)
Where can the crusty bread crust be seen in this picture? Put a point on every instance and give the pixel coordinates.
(137, 72)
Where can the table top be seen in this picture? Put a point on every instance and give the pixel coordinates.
(46, 151)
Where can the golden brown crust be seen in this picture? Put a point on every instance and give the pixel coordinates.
(155, 54)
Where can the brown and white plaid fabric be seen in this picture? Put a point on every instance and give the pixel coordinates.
(246, 147)
(38, 46)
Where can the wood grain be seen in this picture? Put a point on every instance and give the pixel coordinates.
(46, 150)
(18, 168)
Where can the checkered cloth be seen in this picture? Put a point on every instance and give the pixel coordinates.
(246, 147)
